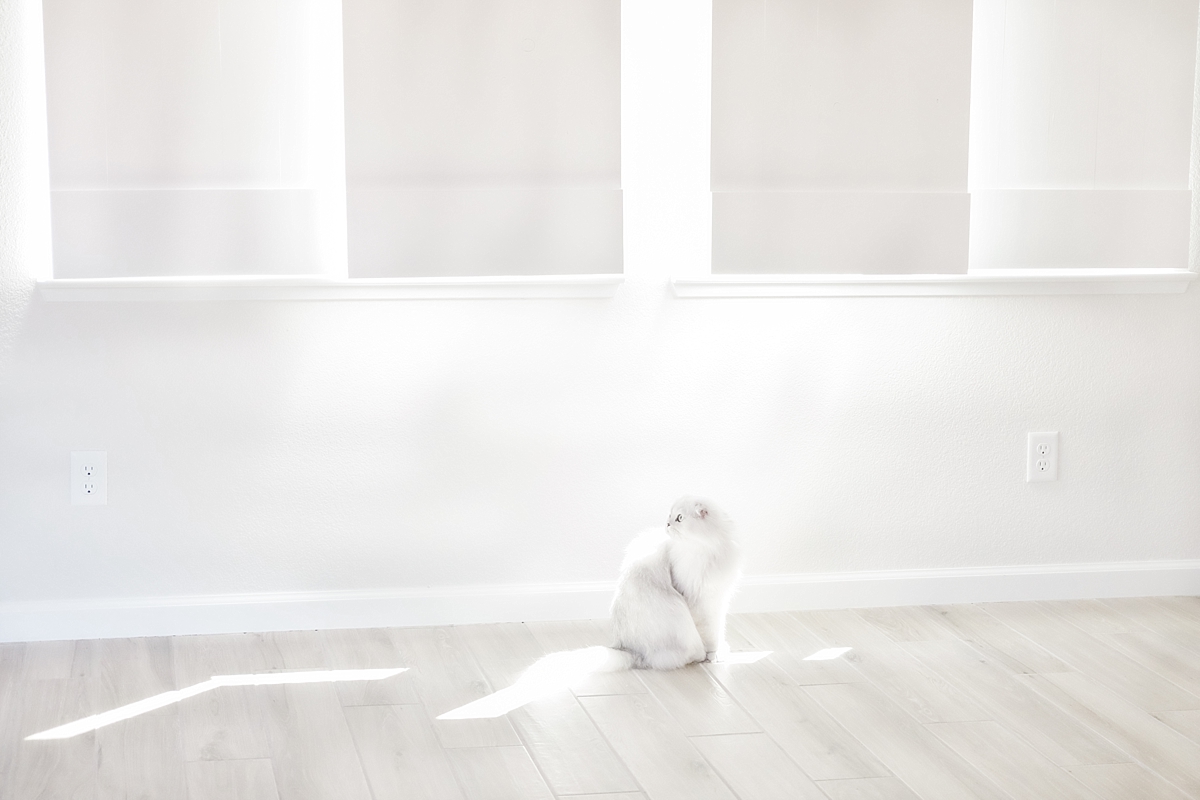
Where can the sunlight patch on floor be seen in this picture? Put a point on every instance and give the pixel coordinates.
(555, 673)
(828, 654)
(215, 682)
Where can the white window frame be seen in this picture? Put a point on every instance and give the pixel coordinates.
(666, 61)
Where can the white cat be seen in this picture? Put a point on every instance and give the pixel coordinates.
(669, 610)
(674, 590)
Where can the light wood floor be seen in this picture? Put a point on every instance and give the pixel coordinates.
(1085, 699)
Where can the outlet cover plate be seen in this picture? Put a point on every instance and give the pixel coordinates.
(89, 478)
(1041, 463)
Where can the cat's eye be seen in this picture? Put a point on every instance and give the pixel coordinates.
(679, 517)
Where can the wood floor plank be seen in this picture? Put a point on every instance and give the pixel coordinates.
(1147, 739)
(1094, 657)
(1008, 761)
(1187, 607)
(1093, 616)
(867, 789)
(797, 723)
(306, 728)
(12, 662)
(910, 751)
(563, 741)
(47, 661)
(1175, 659)
(755, 767)
(369, 648)
(1145, 612)
(64, 768)
(245, 779)
(198, 658)
(311, 746)
(791, 643)
(1158, 614)
(570, 751)
(1186, 722)
(1124, 782)
(999, 642)
(664, 762)
(908, 623)
(141, 757)
(446, 676)
(122, 671)
(572, 634)
(611, 796)
(12, 656)
(697, 701)
(226, 723)
(1188, 604)
(294, 650)
(923, 693)
(558, 636)
(841, 628)
(503, 651)
(498, 773)
(400, 753)
(1054, 733)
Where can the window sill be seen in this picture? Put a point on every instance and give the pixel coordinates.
(265, 287)
(259, 287)
(979, 282)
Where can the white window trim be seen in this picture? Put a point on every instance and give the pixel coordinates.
(665, 110)
(975, 283)
(978, 283)
(291, 287)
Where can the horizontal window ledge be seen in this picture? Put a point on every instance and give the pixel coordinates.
(263, 287)
(976, 282)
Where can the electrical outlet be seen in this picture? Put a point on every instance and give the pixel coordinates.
(1042, 461)
(89, 478)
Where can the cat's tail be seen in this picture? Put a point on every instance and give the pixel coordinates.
(568, 666)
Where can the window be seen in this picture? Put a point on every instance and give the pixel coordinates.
(1081, 133)
(840, 135)
(195, 137)
(941, 136)
(233, 137)
(915, 146)
(483, 137)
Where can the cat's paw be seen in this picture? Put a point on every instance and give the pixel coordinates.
(720, 654)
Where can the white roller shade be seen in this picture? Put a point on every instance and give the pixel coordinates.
(195, 137)
(839, 139)
(1081, 125)
(483, 136)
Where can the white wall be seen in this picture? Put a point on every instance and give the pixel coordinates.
(300, 447)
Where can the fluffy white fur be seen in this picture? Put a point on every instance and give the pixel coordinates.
(674, 590)
(669, 610)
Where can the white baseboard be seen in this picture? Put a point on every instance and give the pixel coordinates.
(904, 587)
(41, 620)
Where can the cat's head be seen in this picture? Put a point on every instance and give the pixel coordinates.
(697, 516)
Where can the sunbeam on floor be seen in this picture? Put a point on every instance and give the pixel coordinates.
(158, 701)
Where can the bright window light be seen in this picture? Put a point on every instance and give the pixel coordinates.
(167, 698)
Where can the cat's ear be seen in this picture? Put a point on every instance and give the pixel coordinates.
(701, 510)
